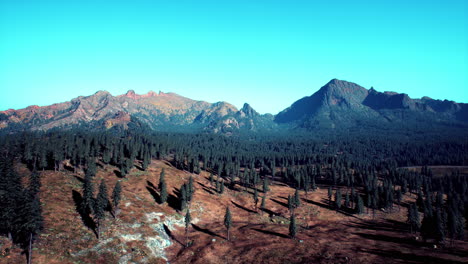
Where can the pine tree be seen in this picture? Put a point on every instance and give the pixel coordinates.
(266, 187)
(330, 195)
(162, 187)
(255, 198)
(347, 200)
(221, 187)
(399, 197)
(359, 205)
(290, 204)
(188, 219)
(292, 227)
(413, 217)
(338, 199)
(87, 204)
(190, 189)
(29, 221)
(439, 226)
(227, 221)
(297, 199)
(262, 206)
(116, 193)
(11, 196)
(162, 179)
(102, 201)
(183, 196)
(211, 178)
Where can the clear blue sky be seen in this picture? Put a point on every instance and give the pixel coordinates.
(268, 53)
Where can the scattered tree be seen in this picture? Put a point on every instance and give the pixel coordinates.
(227, 221)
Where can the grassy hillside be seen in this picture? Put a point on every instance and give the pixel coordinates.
(146, 232)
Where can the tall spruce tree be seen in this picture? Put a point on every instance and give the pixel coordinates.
(162, 178)
(413, 217)
(292, 226)
(87, 204)
(338, 199)
(297, 199)
(102, 201)
(188, 219)
(228, 221)
(255, 198)
(262, 206)
(359, 205)
(116, 196)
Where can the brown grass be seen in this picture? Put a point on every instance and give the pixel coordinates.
(325, 236)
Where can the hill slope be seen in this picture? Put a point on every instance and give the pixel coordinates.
(337, 105)
(158, 111)
(346, 104)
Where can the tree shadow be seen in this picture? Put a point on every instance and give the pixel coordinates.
(326, 206)
(391, 239)
(206, 189)
(270, 212)
(169, 233)
(388, 225)
(150, 184)
(408, 257)
(79, 179)
(279, 202)
(118, 174)
(243, 208)
(69, 168)
(206, 231)
(86, 218)
(270, 233)
(156, 196)
(174, 202)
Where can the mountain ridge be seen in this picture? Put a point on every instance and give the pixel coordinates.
(337, 104)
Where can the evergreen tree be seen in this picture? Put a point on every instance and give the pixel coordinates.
(87, 204)
(227, 221)
(290, 204)
(162, 187)
(439, 226)
(292, 227)
(297, 199)
(188, 219)
(162, 179)
(211, 178)
(29, 221)
(338, 199)
(359, 205)
(221, 187)
(262, 206)
(183, 196)
(329, 195)
(190, 189)
(102, 201)
(413, 217)
(266, 187)
(116, 196)
(347, 200)
(255, 198)
(399, 197)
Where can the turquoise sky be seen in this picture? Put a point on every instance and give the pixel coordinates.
(267, 53)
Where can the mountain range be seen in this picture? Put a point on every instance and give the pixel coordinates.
(338, 104)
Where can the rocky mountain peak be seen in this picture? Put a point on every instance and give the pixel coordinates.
(248, 111)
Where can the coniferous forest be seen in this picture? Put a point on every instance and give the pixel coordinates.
(363, 175)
